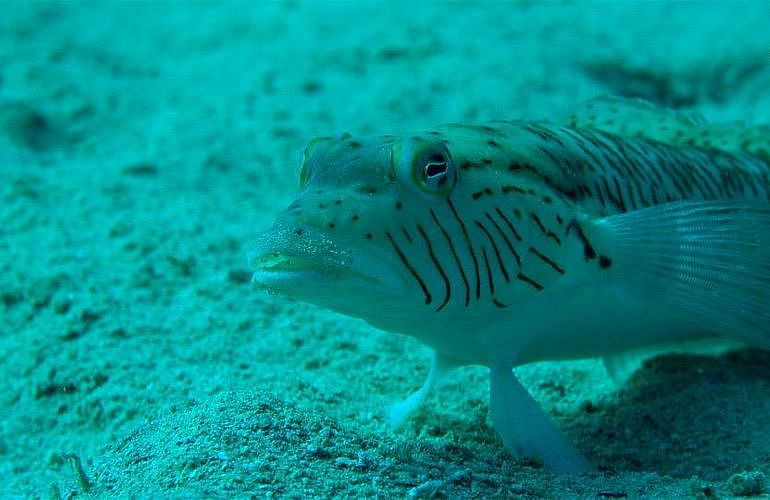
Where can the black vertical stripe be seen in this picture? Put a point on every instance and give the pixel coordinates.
(509, 224)
(556, 267)
(447, 285)
(505, 238)
(490, 280)
(449, 241)
(410, 268)
(470, 246)
(529, 280)
(497, 252)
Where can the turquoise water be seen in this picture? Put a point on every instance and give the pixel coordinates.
(145, 145)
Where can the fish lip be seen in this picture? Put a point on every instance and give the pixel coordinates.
(281, 260)
(273, 261)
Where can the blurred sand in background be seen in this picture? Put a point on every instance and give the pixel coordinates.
(143, 145)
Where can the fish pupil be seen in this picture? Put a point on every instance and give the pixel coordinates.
(433, 170)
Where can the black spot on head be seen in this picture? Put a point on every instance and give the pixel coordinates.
(354, 144)
(332, 225)
(299, 232)
(369, 236)
(517, 213)
(604, 261)
(547, 200)
(486, 161)
(354, 217)
(493, 143)
(399, 205)
(322, 205)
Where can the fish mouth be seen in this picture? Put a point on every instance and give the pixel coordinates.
(294, 262)
(285, 263)
(273, 261)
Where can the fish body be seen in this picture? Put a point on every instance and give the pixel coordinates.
(621, 228)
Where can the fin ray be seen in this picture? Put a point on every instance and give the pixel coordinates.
(710, 260)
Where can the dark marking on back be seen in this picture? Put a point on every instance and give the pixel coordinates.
(513, 189)
(479, 194)
(588, 250)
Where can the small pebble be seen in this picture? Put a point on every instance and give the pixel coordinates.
(427, 489)
(747, 484)
(26, 126)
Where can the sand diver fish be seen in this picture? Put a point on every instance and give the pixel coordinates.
(619, 229)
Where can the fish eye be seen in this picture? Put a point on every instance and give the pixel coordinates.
(304, 168)
(304, 175)
(435, 171)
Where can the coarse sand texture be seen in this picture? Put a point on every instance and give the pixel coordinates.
(147, 147)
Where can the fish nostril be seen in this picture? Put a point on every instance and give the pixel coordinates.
(299, 231)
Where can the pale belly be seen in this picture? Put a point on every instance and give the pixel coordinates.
(581, 323)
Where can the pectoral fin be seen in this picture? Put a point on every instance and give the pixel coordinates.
(525, 428)
(708, 261)
(400, 411)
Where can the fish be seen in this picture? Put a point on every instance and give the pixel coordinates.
(618, 231)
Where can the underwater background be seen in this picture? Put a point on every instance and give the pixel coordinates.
(145, 144)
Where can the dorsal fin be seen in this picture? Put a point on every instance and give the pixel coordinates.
(639, 118)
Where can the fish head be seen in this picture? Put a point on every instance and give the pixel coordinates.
(339, 243)
(389, 228)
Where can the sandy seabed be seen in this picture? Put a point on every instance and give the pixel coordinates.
(144, 145)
